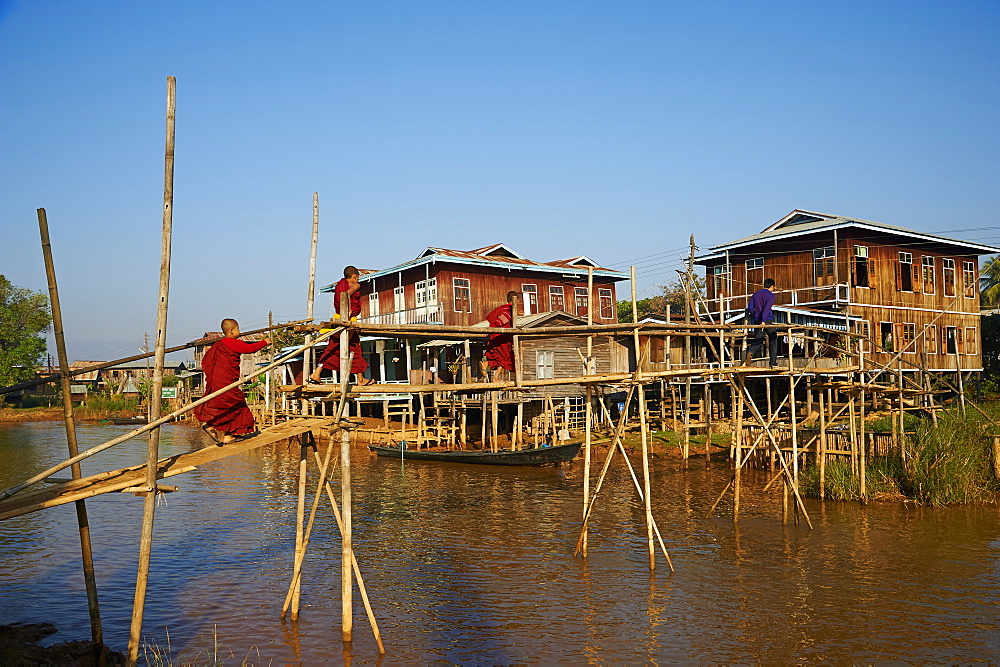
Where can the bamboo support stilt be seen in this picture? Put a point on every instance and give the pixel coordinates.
(83, 521)
(149, 503)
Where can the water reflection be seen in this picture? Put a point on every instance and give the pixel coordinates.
(475, 563)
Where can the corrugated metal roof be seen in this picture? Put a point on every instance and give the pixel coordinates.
(799, 223)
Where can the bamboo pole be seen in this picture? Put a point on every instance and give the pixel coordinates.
(154, 424)
(357, 571)
(300, 510)
(149, 504)
(83, 522)
(739, 455)
(27, 384)
(821, 446)
(643, 426)
(588, 416)
(347, 547)
(307, 357)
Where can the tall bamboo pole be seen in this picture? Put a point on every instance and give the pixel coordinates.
(643, 428)
(588, 416)
(86, 552)
(347, 546)
(300, 514)
(307, 358)
(149, 505)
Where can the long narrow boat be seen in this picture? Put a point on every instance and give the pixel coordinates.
(523, 457)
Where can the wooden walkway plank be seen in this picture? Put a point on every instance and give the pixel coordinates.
(117, 480)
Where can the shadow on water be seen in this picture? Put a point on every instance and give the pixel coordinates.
(474, 563)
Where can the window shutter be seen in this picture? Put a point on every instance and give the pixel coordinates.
(915, 272)
(899, 275)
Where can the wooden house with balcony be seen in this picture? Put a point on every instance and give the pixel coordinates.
(459, 287)
(902, 290)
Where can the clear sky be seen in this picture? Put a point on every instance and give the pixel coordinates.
(610, 129)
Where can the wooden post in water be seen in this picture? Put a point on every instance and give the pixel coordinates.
(643, 425)
(588, 415)
(821, 446)
(300, 516)
(707, 416)
(86, 552)
(738, 445)
(347, 546)
(149, 504)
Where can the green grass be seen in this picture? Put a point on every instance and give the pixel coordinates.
(950, 463)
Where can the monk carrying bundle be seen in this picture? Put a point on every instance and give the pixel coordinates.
(329, 358)
(499, 351)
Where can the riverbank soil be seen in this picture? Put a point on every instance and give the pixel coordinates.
(30, 414)
(19, 646)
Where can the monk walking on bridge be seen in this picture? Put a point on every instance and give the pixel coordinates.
(226, 417)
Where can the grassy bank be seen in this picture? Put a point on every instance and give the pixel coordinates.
(951, 462)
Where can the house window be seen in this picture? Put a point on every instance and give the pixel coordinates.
(885, 336)
(861, 266)
(720, 279)
(530, 296)
(544, 364)
(757, 263)
(907, 334)
(463, 295)
(399, 304)
(607, 304)
(557, 301)
(657, 350)
(969, 280)
(971, 340)
(864, 329)
(824, 265)
(951, 340)
(927, 274)
(930, 339)
(948, 272)
(961, 340)
(904, 272)
(373, 309)
(427, 292)
(582, 301)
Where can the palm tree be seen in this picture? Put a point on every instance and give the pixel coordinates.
(989, 277)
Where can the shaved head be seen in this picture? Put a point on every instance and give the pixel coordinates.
(229, 325)
(350, 271)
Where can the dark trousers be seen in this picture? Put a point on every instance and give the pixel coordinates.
(770, 334)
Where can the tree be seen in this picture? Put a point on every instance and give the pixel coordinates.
(989, 276)
(24, 318)
(670, 300)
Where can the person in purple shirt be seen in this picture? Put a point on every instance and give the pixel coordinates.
(759, 310)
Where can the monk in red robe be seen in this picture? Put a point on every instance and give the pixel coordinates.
(500, 347)
(226, 417)
(329, 358)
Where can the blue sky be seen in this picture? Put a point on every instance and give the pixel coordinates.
(611, 129)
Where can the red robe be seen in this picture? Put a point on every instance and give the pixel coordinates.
(500, 347)
(227, 413)
(330, 355)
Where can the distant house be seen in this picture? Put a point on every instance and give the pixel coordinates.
(459, 287)
(892, 285)
(137, 370)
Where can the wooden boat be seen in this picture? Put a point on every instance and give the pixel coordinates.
(538, 456)
(129, 421)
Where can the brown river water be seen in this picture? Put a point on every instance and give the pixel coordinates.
(475, 564)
